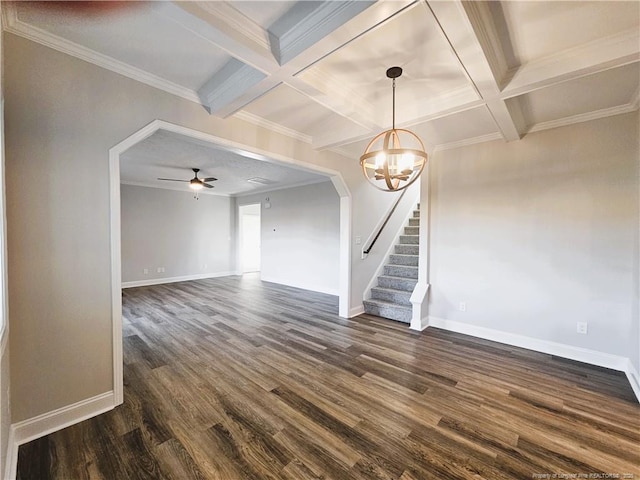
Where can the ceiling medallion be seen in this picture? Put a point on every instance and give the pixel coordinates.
(387, 164)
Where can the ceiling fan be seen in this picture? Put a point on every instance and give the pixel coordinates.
(195, 183)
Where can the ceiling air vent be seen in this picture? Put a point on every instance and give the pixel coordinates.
(261, 181)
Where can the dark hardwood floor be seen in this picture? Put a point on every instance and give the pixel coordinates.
(232, 378)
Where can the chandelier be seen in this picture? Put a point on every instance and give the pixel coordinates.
(386, 163)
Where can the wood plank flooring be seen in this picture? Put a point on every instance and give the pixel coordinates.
(232, 378)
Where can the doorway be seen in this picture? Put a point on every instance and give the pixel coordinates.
(249, 238)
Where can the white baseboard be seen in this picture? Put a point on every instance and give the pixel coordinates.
(184, 278)
(355, 311)
(593, 357)
(36, 427)
(615, 362)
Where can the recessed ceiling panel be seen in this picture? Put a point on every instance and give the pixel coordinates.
(539, 29)
(140, 36)
(469, 124)
(475, 123)
(412, 40)
(611, 88)
(169, 155)
(288, 107)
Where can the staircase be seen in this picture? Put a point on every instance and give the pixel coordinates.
(390, 299)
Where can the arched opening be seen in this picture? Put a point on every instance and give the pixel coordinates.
(115, 222)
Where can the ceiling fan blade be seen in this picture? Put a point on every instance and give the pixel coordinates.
(207, 185)
(173, 180)
(209, 179)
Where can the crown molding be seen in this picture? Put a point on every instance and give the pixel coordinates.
(172, 187)
(593, 57)
(261, 122)
(583, 117)
(12, 24)
(275, 188)
(469, 141)
(238, 22)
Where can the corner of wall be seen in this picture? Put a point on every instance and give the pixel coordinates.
(41, 425)
(634, 379)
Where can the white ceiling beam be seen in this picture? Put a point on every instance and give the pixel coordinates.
(306, 23)
(233, 80)
(247, 42)
(225, 27)
(471, 33)
(599, 55)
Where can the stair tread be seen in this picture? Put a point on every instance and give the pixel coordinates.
(393, 290)
(397, 277)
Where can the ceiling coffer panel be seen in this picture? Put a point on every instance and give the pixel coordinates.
(412, 40)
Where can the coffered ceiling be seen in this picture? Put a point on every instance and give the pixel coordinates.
(315, 70)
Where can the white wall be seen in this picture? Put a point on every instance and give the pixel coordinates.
(538, 234)
(172, 230)
(300, 236)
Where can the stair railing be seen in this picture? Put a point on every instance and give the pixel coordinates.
(384, 224)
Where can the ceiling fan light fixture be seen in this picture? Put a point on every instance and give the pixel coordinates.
(195, 184)
(395, 158)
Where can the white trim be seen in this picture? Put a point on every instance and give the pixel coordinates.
(585, 355)
(36, 427)
(583, 117)
(418, 297)
(269, 125)
(469, 141)
(355, 311)
(345, 250)
(184, 278)
(273, 188)
(17, 27)
(174, 188)
(634, 378)
(238, 22)
(11, 466)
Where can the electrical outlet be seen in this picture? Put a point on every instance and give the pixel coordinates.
(582, 327)
(462, 307)
(145, 271)
(358, 240)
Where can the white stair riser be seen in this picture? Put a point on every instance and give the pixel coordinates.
(411, 260)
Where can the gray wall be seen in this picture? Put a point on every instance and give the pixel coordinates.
(300, 236)
(171, 229)
(61, 120)
(538, 234)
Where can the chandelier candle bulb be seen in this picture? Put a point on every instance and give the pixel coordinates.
(386, 163)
